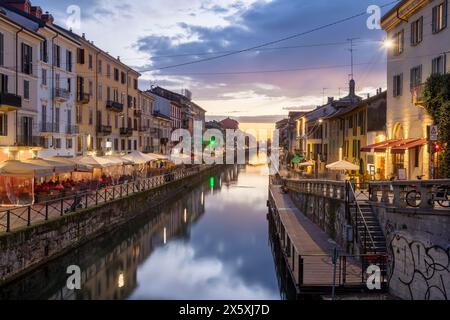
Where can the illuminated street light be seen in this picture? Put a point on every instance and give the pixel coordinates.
(388, 43)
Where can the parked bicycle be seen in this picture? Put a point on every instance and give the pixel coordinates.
(441, 196)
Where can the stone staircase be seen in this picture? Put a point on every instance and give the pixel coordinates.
(374, 231)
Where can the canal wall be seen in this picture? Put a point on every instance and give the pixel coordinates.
(29, 248)
(419, 252)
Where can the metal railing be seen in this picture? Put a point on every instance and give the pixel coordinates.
(62, 94)
(352, 199)
(10, 100)
(322, 271)
(19, 217)
(114, 106)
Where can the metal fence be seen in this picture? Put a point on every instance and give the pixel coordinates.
(20, 217)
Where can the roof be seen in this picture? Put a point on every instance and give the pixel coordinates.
(343, 111)
(394, 9)
(20, 21)
(158, 114)
(31, 22)
(400, 12)
(229, 123)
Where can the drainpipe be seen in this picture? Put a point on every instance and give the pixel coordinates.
(16, 142)
(96, 98)
(53, 86)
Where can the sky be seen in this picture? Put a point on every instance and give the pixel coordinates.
(297, 74)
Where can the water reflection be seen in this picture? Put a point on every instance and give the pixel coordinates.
(211, 243)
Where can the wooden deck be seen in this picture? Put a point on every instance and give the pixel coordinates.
(308, 250)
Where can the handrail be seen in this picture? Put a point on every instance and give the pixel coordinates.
(363, 219)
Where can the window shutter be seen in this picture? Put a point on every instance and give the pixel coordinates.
(2, 51)
(420, 29)
(413, 33)
(434, 20)
(445, 9)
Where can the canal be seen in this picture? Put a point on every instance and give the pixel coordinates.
(210, 243)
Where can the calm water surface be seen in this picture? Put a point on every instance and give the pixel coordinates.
(210, 243)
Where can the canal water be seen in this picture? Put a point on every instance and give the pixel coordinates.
(210, 243)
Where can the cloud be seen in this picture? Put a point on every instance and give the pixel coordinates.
(194, 277)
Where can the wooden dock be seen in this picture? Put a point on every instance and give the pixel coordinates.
(308, 251)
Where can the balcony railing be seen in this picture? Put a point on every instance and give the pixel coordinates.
(49, 127)
(138, 113)
(83, 98)
(10, 102)
(71, 129)
(62, 94)
(126, 131)
(417, 94)
(105, 130)
(30, 141)
(114, 106)
(143, 129)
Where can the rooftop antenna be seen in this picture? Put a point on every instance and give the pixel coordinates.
(352, 45)
(323, 95)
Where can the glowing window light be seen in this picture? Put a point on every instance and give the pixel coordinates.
(121, 281)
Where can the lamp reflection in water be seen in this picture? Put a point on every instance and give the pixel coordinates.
(121, 280)
(203, 198)
(165, 235)
(185, 215)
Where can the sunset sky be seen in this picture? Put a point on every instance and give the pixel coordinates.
(149, 35)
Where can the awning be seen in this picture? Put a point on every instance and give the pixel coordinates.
(408, 145)
(380, 146)
(57, 167)
(342, 166)
(79, 167)
(96, 162)
(137, 157)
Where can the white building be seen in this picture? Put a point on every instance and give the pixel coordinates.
(420, 37)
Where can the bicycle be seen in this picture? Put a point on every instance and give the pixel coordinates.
(441, 196)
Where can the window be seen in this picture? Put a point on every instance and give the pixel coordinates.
(123, 78)
(116, 74)
(116, 144)
(3, 124)
(108, 119)
(416, 157)
(108, 70)
(122, 145)
(80, 56)
(100, 66)
(27, 59)
(2, 49)
(398, 85)
(416, 76)
(57, 81)
(440, 17)
(69, 84)
(91, 117)
(57, 56)
(439, 64)
(3, 83)
(135, 84)
(69, 61)
(135, 145)
(58, 143)
(399, 42)
(116, 121)
(417, 31)
(26, 90)
(100, 92)
(91, 88)
(108, 93)
(69, 143)
(91, 62)
(44, 77)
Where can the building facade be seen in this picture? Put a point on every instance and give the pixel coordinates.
(19, 56)
(418, 30)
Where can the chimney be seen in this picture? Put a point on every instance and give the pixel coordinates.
(23, 5)
(47, 18)
(368, 96)
(84, 35)
(330, 100)
(36, 11)
(118, 58)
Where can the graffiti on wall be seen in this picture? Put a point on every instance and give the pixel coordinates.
(418, 271)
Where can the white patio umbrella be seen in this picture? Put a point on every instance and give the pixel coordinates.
(342, 166)
(157, 156)
(57, 167)
(137, 157)
(13, 168)
(96, 162)
(71, 162)
(306, 164)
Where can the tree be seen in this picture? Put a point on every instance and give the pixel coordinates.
(437, 103)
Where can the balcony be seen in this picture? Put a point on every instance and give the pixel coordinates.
(114, 106)
(138, 113)
(10, 102)
(164, 141)
(143, 129)
(83, 98)
(417, 95)
(104, 130)
(72, 130)
(62, 95)
(49, 127)
(126, 132)
(31, 141)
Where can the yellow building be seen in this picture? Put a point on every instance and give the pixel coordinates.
(107, 103)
